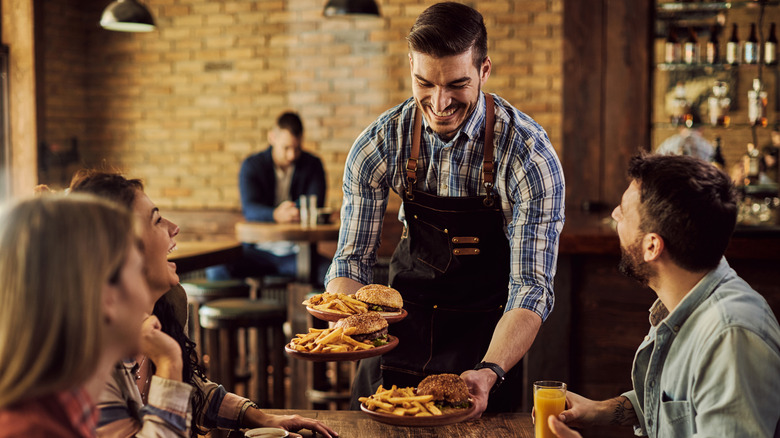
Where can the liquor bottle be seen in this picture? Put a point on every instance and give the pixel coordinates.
(691, 48)
(751, 46)
(717, 159)
(750, 163)
(757, 100)
(682, 114)
(719, 104)
(732, 47)
(770, 47)
(712, 50)
(672, 48)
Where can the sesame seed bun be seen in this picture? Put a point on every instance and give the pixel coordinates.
(368, 326)
(445, 388)
(380, 295)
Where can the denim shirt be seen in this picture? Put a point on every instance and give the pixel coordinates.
(711, 367)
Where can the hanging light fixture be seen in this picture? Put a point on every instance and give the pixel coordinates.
(127, 16)
(351, 7)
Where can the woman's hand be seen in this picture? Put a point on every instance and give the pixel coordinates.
(161, 349)
(293, 423)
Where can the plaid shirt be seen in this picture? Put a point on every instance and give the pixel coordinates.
(529, 181)
(80, 410)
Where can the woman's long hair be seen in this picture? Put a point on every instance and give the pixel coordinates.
(56, 255)
(121, 190)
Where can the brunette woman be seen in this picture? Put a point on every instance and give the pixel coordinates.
(123, 411)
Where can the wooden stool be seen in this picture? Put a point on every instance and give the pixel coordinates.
(222, 319)
(201, 291)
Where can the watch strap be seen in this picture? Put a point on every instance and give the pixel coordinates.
(500, 373)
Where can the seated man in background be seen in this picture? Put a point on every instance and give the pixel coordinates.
(710, 363)
(271, 182)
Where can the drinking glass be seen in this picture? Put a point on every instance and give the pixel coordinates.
(549, 399)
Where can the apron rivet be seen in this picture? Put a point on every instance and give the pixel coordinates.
(435, 306)
(446, 231)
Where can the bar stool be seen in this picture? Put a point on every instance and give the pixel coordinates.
(222, 319)
(201, 291)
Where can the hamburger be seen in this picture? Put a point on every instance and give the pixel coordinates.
(380, 298)
(448, 390)
(370, 327)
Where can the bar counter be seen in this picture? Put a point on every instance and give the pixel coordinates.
(355, 424)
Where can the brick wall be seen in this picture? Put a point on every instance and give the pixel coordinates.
(181, 107)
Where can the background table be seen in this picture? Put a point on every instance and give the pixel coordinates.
(305, 237)
(357, 424)
(191, 256)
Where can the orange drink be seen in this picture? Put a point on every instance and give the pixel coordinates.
(549, 399)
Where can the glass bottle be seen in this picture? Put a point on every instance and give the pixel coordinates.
(712, 49)
(672, 49)
(681, 107)
(757, 100)
(719, 104)
(770, 47)
(717, 159)
(732, 47)
(750, 162)
(691, 48)
(751, 46)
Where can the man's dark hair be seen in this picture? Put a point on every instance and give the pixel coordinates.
(449, 29)
(690, 203)
(291, 122)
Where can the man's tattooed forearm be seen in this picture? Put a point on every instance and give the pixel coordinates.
(623, 414)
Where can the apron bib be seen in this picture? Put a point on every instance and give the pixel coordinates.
(452, 268)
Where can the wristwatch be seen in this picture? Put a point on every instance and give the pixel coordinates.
(496, 369)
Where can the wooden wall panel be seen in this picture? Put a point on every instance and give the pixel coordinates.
(606, 101)
(583, 104)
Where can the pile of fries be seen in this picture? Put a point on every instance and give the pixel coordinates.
(401, 401)
(330, 340)
(336, 303)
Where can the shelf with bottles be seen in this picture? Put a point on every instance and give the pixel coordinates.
(699, 6)
(683, 49)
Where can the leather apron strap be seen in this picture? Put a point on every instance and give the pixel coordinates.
(488, 166)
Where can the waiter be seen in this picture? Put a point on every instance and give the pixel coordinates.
(483, 195)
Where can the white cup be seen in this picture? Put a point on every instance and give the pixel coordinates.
(303, 208)
(266, 432)
(313, 210)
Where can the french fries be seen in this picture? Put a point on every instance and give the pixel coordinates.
(401, 401)
(336, 303)
(330, 340)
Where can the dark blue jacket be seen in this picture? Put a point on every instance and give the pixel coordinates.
(257, 183)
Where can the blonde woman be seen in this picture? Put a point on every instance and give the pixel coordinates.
(72, 302)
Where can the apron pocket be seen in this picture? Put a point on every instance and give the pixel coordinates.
(430, 245)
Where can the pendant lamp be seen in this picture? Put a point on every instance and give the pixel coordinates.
(127, 16)
(351, 7)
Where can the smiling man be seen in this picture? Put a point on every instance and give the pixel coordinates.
(482, 192)
(708, 366)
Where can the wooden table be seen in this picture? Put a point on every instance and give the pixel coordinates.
(357, 424)
(305, 237)
(191, 256)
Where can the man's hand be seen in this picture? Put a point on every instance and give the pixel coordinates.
(584, 412)
(561, 430)
(479, 382)
(287, 213)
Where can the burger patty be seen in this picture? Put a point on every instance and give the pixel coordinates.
(367, 337)
(379, 308)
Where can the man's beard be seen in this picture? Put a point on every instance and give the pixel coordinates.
(633, 265)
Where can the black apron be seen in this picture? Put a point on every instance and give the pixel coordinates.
(452, 268)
